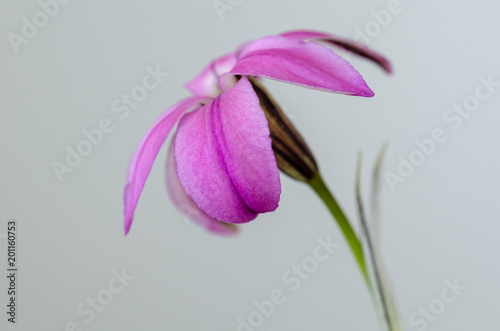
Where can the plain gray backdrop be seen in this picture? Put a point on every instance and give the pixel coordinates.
(441, 224)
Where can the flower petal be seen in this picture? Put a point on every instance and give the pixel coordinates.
(347, 44)
(142, 161)
(202, 172)
(205, 84)
(224, 157)
(305, 34)
(243, 134)
(295, 61)
(186, 205)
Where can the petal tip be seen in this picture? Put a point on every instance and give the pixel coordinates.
(387, 66)
(363, 91)
(225, 230)
(127, 223)
(369, 93)
(127, 229)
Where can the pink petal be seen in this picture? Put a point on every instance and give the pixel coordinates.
(205, 84)
(305, 34)
(295, 61)
(186, 205)
(224, 157)
(243, 133)
(347, 44)
(202, 173)
(142, 161)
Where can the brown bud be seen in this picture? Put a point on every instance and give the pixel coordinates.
(292, 154)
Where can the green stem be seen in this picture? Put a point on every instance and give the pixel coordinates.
(388, 316)
(319, 186)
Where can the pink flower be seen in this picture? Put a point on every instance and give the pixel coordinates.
(221, 169)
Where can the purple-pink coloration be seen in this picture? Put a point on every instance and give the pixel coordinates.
(224, 157)
(307, 64)
(221, 169)
(347, 44)
(142, 161)
(186, 205)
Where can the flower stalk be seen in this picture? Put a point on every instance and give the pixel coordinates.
(295, 159)
(319, 186)
(369, 263)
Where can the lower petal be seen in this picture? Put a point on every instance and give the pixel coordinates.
(224, 156)
(242, 134)
(202, 172)
(186, 205)
(142, 161)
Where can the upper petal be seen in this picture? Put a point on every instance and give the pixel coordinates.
(294, 61)
(142, 161)
(186, 205)
(206, 83)
(305, 34)
(224, 157)
(347, 44)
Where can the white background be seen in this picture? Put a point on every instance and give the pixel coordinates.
(441, 223)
